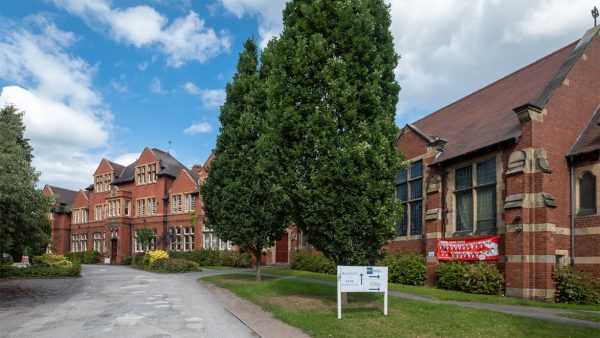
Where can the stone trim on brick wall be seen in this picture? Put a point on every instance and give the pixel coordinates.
(528, 160)
(542, 227)
(530, 293)
(540, 259)
(529, 201)
(587, 260)
(587, 231)
(433, 235)
(432, 214)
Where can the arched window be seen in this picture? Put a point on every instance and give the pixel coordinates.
(587, 195)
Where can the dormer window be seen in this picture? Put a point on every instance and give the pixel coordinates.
(141, 175)
(152, 173)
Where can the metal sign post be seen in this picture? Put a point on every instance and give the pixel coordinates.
(362, 279)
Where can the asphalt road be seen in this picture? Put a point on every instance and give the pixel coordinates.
(115, 301)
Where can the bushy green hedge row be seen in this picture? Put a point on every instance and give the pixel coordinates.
(405, 268)
(209, 257)
(52, 260)
(40, 271)
(173, 265)
(160, 261)
(85, 257)
(575, 286)
(475, 277)
(313, 261)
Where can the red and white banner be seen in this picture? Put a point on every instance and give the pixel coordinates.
(472, 249)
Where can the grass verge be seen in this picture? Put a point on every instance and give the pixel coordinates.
(584, 316)
(436, 293)
(312, 308)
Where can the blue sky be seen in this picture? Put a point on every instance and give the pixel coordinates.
(106, 78)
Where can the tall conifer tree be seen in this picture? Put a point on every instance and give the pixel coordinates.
(332, 98)
(24, 209)
(241, 199)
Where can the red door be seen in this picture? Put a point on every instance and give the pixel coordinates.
(281, 250)
(113, 251)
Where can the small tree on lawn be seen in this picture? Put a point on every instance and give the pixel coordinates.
(24, 209)
(332, 97)
(145, 236)
(242, 200)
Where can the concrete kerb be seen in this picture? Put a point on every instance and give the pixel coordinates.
(260, 322)
(548, 314)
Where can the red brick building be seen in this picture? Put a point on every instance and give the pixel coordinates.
(518, 159)
(155, 192)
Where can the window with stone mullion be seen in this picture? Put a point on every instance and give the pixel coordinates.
(409, 191)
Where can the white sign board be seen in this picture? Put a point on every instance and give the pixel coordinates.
(106, 260)
(362, 279)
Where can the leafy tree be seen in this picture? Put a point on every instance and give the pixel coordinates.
(145, 236)
(331, 102)
(24, 223)
(241, 199)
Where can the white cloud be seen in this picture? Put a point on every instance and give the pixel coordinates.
(198, 128)
(156, 87)
(452, 48)
(211, 98)
(268, 12)
(142, 66)
(65, 118)
(126, 159)
(185, 39)
(119, 85)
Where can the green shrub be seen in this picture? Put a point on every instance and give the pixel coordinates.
(127, 260)
(405, 268)
(52, 260)
(41, 271)
(575, 286)
(451, 275)
(172, 265)
(481, 278)
(138, 258)
(176, 254)
(313, 261)
(85, 257)
(209, 257)
(91, 257)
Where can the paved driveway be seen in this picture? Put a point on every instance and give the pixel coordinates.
(114, 301)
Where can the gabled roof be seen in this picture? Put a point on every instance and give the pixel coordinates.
(127, 174)
(168, 166)
(486, 117)
(116, 166)
(63, 196)
(589, 140)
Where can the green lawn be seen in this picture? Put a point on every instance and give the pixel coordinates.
(585, 316)
(312, 308)
(435, 293)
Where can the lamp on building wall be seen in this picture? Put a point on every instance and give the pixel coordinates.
(518, 223)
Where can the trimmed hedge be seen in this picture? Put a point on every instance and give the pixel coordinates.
(127, 260)
(478, 278)
(575, 286)
(405, 268)
(51, 260)
(173, 265)
(40, 271)
(207, 257)
(85, 257)
(313, 261)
